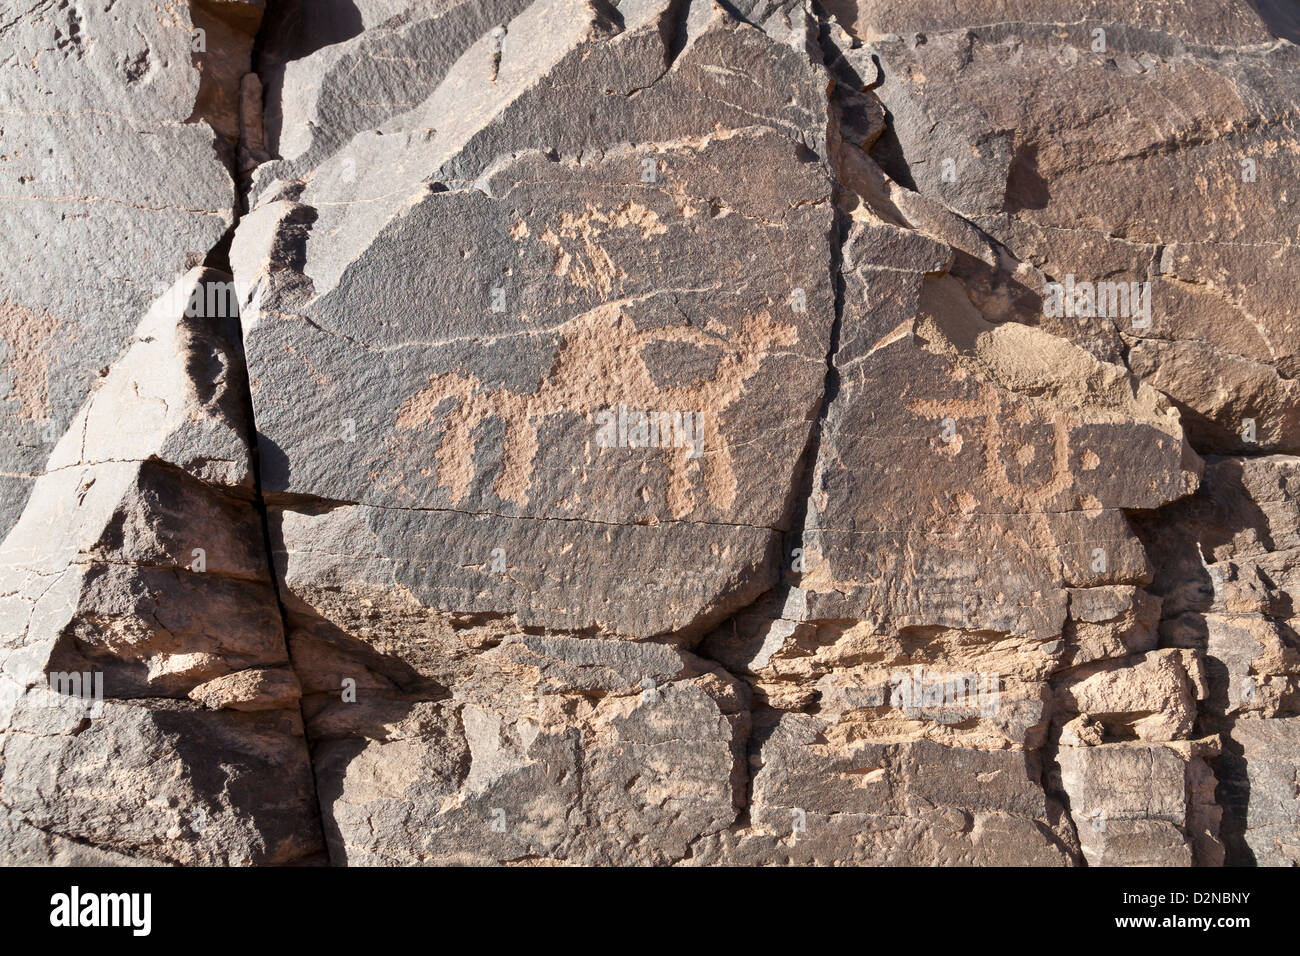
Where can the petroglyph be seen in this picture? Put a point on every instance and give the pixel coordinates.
(598, 365)
(28, 335)
(989, 411)
(579, 256)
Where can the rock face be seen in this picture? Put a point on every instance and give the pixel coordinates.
(118, 124)
(148, 706)
(650, 432)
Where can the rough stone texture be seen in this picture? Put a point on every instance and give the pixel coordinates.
(1139, 805)
(1262, 792)
(113, 182)
(1229, 572)
(101, 577)
(1120, 162)
(646, 437)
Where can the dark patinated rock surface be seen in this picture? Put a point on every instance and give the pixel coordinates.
(655, 432)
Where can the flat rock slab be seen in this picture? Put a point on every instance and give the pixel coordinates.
(599, 376)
